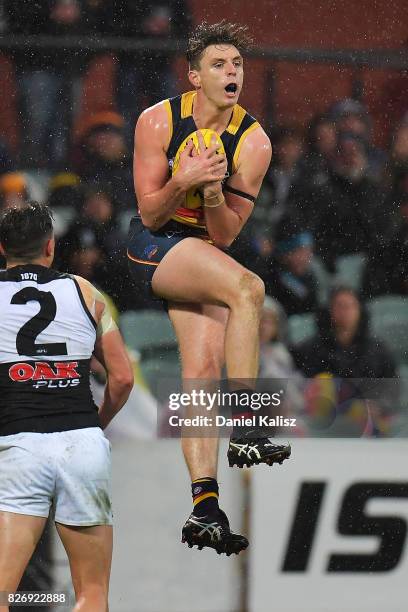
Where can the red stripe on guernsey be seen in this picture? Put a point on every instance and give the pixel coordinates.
(191, 217)
(192, 213)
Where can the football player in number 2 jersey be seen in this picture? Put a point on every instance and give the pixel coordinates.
(53, 452)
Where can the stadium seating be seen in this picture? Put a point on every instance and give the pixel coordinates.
(301, 327)
(151, 334)
(403, 375)
(399, 424)
(389, 323)
(349, 270)
(323, 280)
(144, 329)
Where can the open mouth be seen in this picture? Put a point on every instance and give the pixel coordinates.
(231, 88)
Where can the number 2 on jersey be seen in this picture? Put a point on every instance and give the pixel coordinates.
(26, 337)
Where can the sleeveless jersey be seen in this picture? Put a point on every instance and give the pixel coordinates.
(182, 126)
(47, 337)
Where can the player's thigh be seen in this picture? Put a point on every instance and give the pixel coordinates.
(89, 551)
(83, 478)
(19, 535)
(195, 271)
(200, 331)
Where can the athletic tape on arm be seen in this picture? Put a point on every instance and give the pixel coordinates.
(106, 322)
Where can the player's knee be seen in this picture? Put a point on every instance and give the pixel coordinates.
(251, 289)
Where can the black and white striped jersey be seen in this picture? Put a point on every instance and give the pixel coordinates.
(47, 336)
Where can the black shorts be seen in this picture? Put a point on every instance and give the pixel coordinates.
(146, 249)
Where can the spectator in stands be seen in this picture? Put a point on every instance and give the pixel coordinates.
(65, 191)
(386, 271)
(343, 349)
(313, 171)
(65, 198)
(95, 226)
(348, 214)
(94, 247)
(42, 77)
(351, 116)
(321, 149)
(275, 360)
(104, 157)
(284, 170)
(98, 209)
(146, 76)
(289, 278)
(398, 161)
(399, 147)
(254, 246)
(13, 190)
(80, 252)
(343, 346)
(49, 80)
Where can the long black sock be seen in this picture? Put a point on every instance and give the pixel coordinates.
(205, 495)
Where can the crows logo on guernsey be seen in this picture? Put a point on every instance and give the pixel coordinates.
(60, 374)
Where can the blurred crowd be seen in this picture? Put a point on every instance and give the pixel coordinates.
(81, 163)
(331, 193)
(329, 231)
(329, 237)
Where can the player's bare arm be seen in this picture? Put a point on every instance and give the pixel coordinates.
(157, 195)
(226, 213)
(110, 351)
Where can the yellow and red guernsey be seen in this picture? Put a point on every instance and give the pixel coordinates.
(183, 128)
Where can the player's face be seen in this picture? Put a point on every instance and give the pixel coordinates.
(220, 75)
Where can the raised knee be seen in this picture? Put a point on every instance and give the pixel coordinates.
(251, 289)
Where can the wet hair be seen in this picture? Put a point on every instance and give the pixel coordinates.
(24, 231)
(223, 32)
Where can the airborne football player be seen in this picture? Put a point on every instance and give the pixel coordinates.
(199, 162)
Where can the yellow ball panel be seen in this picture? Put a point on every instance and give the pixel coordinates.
(207, 135)
(193, 196)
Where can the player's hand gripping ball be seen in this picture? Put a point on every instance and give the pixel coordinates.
(193, 196)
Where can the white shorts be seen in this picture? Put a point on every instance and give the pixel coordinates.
(69, 470)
